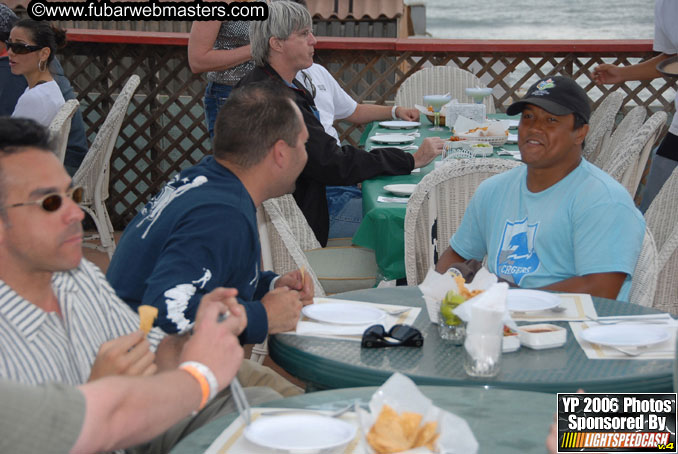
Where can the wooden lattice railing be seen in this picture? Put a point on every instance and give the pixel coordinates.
(164, 130)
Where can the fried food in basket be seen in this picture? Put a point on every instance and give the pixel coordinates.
(463, 291)
(394, 433)
(147, 315)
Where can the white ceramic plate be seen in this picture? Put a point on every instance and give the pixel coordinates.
(400, 189)
(343, 313)
(297, 432)
(399, 124)
(392, 138)
(669, 67)
(625, 335)
(523, 300)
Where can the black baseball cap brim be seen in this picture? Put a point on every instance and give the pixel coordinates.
(549, 106)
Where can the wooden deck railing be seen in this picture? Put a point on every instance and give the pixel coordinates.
(164, 130)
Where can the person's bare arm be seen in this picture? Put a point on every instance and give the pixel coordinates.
(446, 260)
(202, 56)
(364, 113)
(612, 74)
(605, 285)
(125, 411)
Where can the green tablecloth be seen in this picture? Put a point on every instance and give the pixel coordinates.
(383, 226)
(490, 413)
(329, 363)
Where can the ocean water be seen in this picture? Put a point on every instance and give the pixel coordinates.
(544, 19)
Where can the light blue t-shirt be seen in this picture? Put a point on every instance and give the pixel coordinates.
(586, 223)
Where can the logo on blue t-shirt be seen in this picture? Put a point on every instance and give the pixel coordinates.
(517, 257)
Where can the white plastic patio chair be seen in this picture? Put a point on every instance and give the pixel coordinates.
(622, 134)
(60, 127)
(437, 207)
(644, 281)
(601, 125)
(629, 163)
(94, 171)
(440, 80)
(662, 220)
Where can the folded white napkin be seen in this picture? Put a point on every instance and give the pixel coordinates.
(316, 328)
(494, 128)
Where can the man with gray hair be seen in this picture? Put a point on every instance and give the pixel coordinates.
(283, 45)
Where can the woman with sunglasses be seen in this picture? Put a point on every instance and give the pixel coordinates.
(31, 47)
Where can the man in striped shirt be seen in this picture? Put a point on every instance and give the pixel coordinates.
(60, 321)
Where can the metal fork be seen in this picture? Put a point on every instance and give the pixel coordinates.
(334, 414)
(660, 320)
(398, 311)
(639, 351)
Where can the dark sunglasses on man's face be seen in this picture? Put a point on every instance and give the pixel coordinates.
(21, 48)
(398, 336)
(52, 202)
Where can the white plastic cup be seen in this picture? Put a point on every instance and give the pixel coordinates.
(482, 354)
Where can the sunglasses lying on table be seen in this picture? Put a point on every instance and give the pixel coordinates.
(52, 202)
(21, 48)
(398, 336)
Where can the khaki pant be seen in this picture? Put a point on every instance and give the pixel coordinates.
(261, 384)
(252, 373)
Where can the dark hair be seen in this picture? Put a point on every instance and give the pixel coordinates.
(579, 121)
(17, 134)
(252, 120)
(44, 35)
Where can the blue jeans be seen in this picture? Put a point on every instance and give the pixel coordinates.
(215, 97)
(345, 204)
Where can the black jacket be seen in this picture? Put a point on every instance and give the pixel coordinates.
(329, 164)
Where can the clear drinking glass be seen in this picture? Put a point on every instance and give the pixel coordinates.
(455, 333)
(436, 102)
(482, 354)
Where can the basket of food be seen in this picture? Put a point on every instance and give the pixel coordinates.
(489, 134)
(495, 141)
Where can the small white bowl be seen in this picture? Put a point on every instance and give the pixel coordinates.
(542, 335)
(510, 344)
(480, 149)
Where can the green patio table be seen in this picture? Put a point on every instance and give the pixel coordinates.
(328, 363)
(490, 413)
(383, 226)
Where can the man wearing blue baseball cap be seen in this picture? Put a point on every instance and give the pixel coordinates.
(558, 222)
